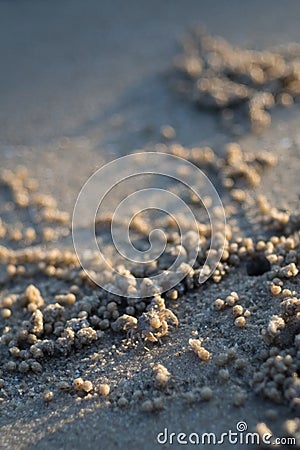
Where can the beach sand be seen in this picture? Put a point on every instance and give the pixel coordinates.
(82, 83)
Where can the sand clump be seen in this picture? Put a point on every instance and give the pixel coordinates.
(212, 73)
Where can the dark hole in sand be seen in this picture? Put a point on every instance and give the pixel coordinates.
(258, 265)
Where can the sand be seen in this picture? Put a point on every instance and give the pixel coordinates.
(80, 85)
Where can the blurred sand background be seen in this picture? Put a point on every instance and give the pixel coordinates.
(93, 72)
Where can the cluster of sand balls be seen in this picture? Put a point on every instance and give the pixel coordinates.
(236, 167)
(42, 323)
(51, 329)
(240, 314)
(237, 170)
(49, 223)
(197, 347)
(284, 327)
(212, 73)
(278, 376)
(246, 166)
(280, 221)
